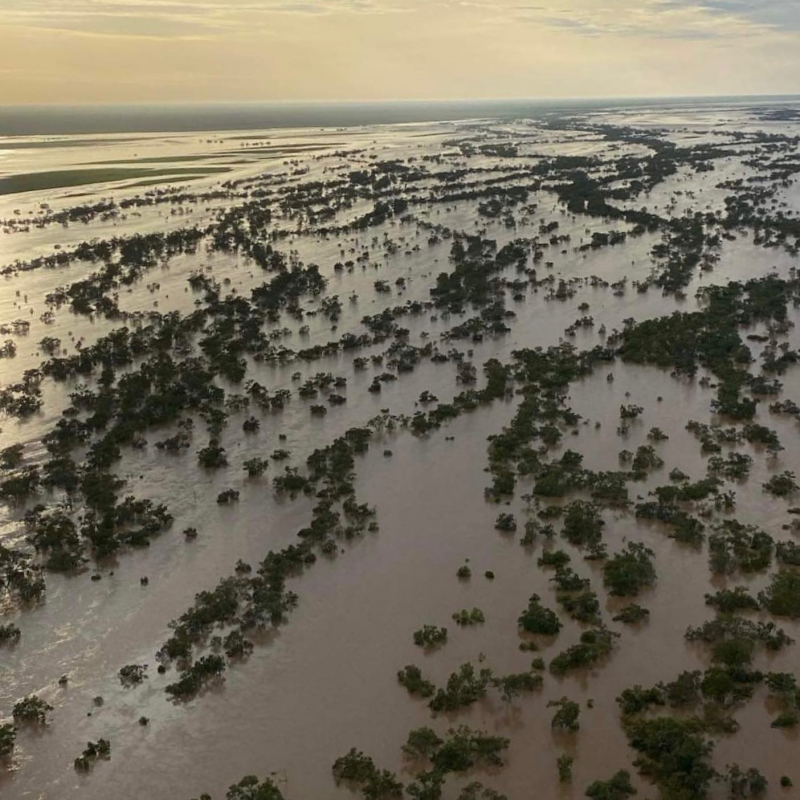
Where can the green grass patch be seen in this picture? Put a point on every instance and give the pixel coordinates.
(59, 179)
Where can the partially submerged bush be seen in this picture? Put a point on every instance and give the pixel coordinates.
(430, 636)
(506, 523)
(510, 686)
(782, 485)
(465, 617)
(9, 633)
(31, 709)
(594, 644)
(8, 737)
(630, 570)
(360, 771)
(567, 715)
(632, 614)
(744, 783)
(673, 753)
(132, 674)
(617, 787)
(411, 677)
(101, 749)
(782, 596)
(539, 619)
(464, 687)
(729, 601)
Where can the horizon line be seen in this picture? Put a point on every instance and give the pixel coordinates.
(386, 101)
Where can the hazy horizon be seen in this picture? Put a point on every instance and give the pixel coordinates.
(71, 119)
(414, 100)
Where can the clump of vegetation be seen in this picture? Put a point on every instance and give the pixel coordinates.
(291, 482)
(735, 467)
(510, 686)
(673, 753)
(195, 677)
(9, 633)
(593, 645)
(734, 639)
(358, 770)
(465, 617)
(539, 619)
(11, 457)
(228, 496)
(430, 636)
(583, 606)
(631, 614)
(617, 787)
(31, 709)
(553, 558)
(564, 765)
(782, 596)
(636, 699)
(744, 783)
(783, 686)
(734, 546)
(534, 529)
(645, 459)
(630, 411)
(782, 485)
(132, 674)
(255, 467)
(788, 553)
(464, 687)
(422, 743)
(583, 525)
(234, 645)
(788, 718)
(8, 738)
(411, 677)
(212, 456)
(506, 523)
(567, 715)
(567, 580)
(684, 527)
(101, 749)
(730, 601)
(629, 571)
(460, 750)
(251, 788)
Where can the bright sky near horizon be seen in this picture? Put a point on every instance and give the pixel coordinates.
(97, 51)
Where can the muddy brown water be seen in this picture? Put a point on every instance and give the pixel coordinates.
(326, 681)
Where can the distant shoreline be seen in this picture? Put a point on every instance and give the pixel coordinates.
(184, 118)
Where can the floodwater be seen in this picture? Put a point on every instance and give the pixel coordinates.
(326, 681)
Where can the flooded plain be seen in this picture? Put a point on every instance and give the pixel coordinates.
(595, 245)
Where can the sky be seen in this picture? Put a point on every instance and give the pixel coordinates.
(121, 51)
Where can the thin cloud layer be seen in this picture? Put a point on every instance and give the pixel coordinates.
(777, 14)
(168, 50)
(172, 18)
(706, 19)
(679, 19)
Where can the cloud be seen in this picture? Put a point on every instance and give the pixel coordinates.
(172, 19)
(665, 19)
(783, 15)
(169, 19)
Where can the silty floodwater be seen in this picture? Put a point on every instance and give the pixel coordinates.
(327, 679)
